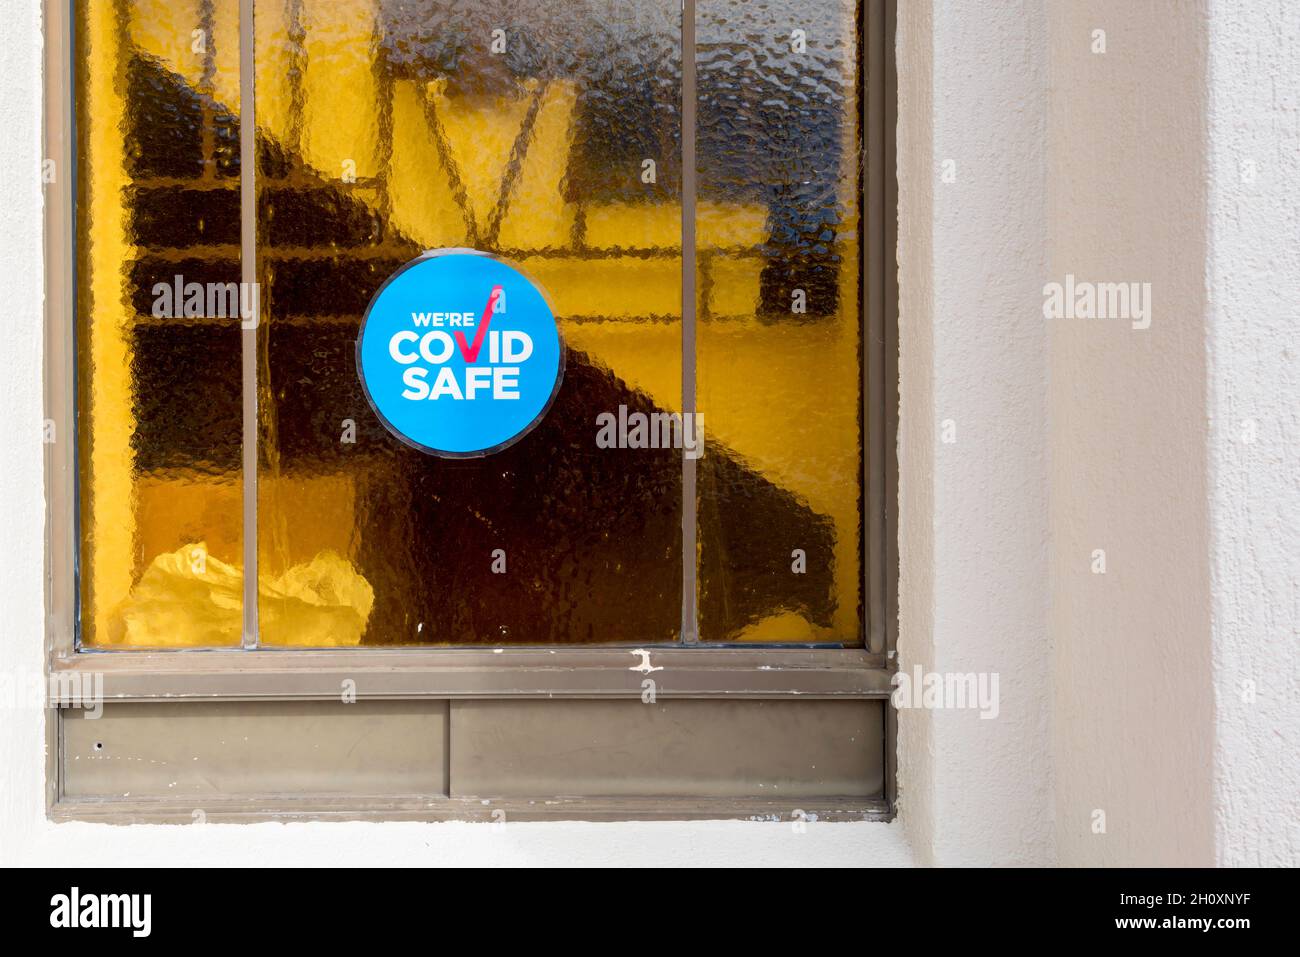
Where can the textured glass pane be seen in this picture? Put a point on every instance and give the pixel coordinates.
(522, 129)
(158, 403)
(778, 341)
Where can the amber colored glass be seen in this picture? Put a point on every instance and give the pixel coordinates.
(548, 134)
(778, 340)
(158, 386)
(521, 129)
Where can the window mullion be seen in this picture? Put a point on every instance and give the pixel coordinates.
(249, 331)
(690, 603)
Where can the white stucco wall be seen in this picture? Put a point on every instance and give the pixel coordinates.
(1174, 159)
(1253, 353)
(973, 512)
(1075, 436)
(1134, 715)
(22, 620)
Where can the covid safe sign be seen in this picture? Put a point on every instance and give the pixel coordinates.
(459, 354)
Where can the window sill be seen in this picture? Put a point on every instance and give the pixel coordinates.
(753, 672)
(440, 808)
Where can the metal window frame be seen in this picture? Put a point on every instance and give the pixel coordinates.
(689, 671)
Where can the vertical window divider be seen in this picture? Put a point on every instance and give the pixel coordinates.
(249, 328)
(690, 600)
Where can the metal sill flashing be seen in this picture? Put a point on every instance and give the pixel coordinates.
(440, 808)
(458, 673)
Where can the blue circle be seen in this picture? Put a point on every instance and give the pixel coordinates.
(459, 354)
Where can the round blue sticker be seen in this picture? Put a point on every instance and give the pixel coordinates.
(459, 354)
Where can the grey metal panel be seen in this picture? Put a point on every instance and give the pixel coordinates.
(772, 749)
(179, 749)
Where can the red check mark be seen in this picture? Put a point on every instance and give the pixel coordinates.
(471, 352)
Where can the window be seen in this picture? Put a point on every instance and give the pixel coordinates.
(701, 195)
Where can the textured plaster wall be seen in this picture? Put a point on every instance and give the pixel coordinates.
(1075, 437)
(1134, 712)
(973, 511)
(22, 620)
(1253, 350)
(917, 434)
